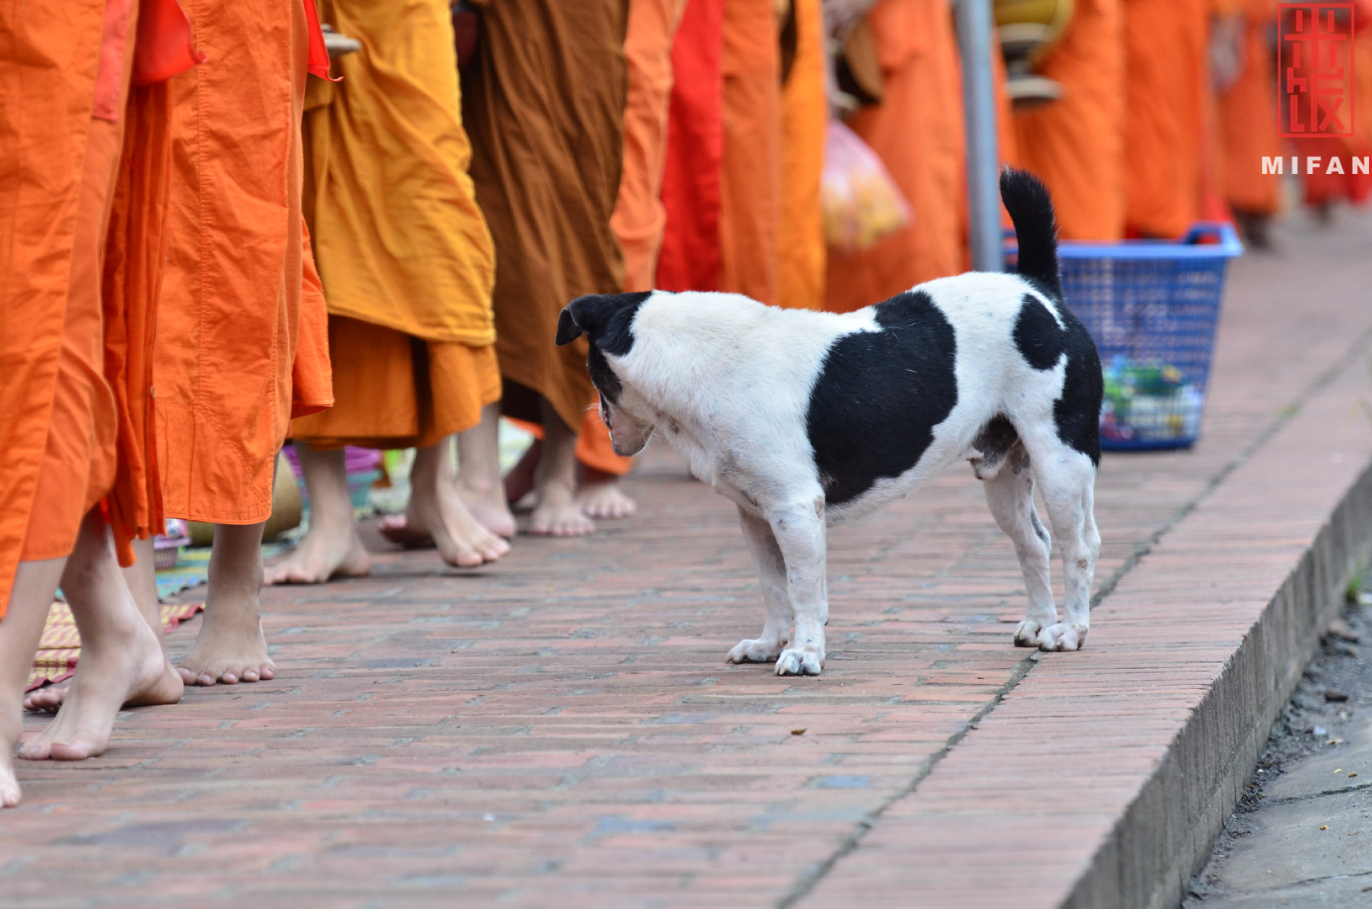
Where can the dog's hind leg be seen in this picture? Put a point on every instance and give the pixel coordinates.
(1010, 495)
(799, 532)
(1067, 480)
(771, 570)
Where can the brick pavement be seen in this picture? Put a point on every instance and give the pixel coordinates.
(561, 729)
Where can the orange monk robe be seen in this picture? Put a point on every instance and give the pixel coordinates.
(73, 320)
(405, 255)
(639, 218)
(750, 179)
(1247, 118)
(1076, 144)
(234, 304)
(917, 131)
(1165, 79)
(804, 119)
(543, 103)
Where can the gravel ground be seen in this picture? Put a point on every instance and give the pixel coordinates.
(1299, 835)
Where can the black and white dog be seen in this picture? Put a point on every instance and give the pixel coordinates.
(807, 418)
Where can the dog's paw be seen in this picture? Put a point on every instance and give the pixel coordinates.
(1027, 634)
(759, 650)
(1062, 637)
(800, 662)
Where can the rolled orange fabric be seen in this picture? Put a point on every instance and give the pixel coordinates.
(233, 299)
(404, 253)
(917, 130)
(804, 116)
(1165, 78)
(1076, 144)
(750, 179)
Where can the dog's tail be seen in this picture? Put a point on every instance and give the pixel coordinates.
(1031, 208)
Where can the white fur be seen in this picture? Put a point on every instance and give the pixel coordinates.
(727, 381)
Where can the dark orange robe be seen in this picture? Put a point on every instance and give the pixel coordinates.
(1166, 78)
(74, 348)
(639, 218)
(543, 103)
(1076, 144)
(918, 132)
(804, 120)
(750, 178)
(241, 328)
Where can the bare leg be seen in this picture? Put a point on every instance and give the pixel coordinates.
(141, 579)
(121, 658)
(799, 531)
(230, 646)
(437, 512)
(35, 584)
(771, 569)
(478, 478)
(331, 546)
(600, 495)
(557, 513)
(1067, 478)
(1010, 496)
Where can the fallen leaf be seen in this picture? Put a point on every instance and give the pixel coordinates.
(797, 732)
(1324, 827)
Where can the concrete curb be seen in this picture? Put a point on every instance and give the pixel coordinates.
(1166, 834)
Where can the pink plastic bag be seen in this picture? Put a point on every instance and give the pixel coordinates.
(860, 201)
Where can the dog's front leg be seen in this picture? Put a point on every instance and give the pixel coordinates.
(799, 531)
(771, 569)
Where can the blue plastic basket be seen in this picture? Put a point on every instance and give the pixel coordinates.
(1151, 307)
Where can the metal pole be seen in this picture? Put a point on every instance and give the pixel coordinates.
(983, 160)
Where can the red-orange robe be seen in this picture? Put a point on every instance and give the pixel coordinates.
(690, 255)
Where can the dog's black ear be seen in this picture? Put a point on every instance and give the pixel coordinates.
(567, 328)
(605, 319)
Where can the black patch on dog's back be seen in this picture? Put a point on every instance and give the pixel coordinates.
(1077, 412)
(880, 394)
(1038, 335)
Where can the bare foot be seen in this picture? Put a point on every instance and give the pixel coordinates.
(142, 583)
(489, 507)
(330, 549)
(46, 700)
(557, 514)
(131, 672)
(230, 647)
(436, 513)
(10, 795)
(600, 495)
